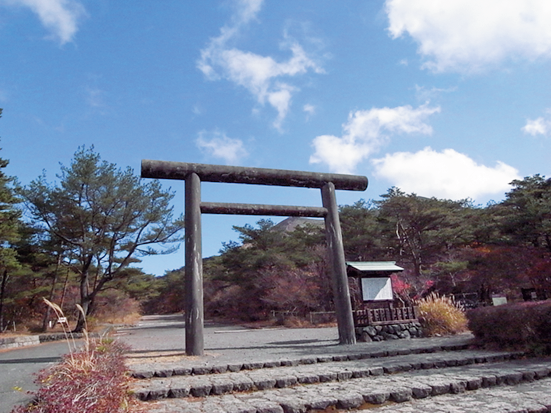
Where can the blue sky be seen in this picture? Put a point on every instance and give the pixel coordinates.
(448, 99)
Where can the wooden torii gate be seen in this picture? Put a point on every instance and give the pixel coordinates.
(193, 174)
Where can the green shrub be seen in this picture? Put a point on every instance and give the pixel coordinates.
(519, 325)
(441, 316)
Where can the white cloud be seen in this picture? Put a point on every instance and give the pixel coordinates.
(247, 10)
(470, 35)
(309, 109)
(61, 17)
(539, 126)
(220, 146)
(365, 132)
(260, 75)
(424, 94)
(447, 174)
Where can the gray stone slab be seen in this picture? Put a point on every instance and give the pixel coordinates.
(221, 385)
(219, 368)
(235, 367)
(179, 390)
(200, 386)
(241, 383)
(253, 365)
(264, 406)
(264, 382)
(182, 370)
(400, 395)
(349, 400)
(534, 398)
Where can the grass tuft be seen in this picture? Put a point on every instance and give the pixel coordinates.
(441, 316)
(93, 379)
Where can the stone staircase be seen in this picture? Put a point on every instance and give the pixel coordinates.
(452, 378)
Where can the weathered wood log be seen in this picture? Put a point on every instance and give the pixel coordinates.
(260, 209)
(193, 301)
(341, 292)
(246, 175)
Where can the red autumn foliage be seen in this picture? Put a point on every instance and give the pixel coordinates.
(522, 325)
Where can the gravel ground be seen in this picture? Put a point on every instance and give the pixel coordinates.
(162, 338)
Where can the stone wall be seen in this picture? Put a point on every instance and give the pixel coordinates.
(389, 332)
(22, 341)
(19, 341)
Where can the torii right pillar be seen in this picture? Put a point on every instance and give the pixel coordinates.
(343, 305)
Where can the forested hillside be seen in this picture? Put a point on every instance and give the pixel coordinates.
(451, 247)
(79, 241)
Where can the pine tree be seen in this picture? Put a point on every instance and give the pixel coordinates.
(9, 225)
(106, 219)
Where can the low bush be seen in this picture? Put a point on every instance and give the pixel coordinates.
(524, 326)
(93, 381)
(441, 316)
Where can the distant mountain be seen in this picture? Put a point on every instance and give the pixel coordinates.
(290, 224)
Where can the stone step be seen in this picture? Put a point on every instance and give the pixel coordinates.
(187, 367)
(281, 377)
(379, 390)
(533, 397)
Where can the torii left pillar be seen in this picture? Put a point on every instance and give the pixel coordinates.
(194, 267)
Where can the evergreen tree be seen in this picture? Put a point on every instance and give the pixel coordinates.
(526, 212)
(271, 269)
(105, 217)
(9, 225)
(420, 230)
(361, 232)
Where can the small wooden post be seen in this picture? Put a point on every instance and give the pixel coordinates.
(343, 306)
(193, 268)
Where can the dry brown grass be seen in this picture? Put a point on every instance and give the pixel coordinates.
(441, 316)
(92, 378)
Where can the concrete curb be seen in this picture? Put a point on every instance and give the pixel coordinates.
(20, 341)
(24, 341)
(146, 371)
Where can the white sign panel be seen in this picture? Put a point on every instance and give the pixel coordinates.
(376, 289)
(499, 300)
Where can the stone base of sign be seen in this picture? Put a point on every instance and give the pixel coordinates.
(389, 332)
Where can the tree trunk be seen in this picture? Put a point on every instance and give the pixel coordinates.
(87, 301)
(81, 321)
(65, 285)
(51, 296)
(5, 277)
(84, 302)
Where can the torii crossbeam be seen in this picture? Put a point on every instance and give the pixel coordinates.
(193, 174)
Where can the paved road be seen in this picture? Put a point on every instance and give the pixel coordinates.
(17, 367)
(165, 335)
